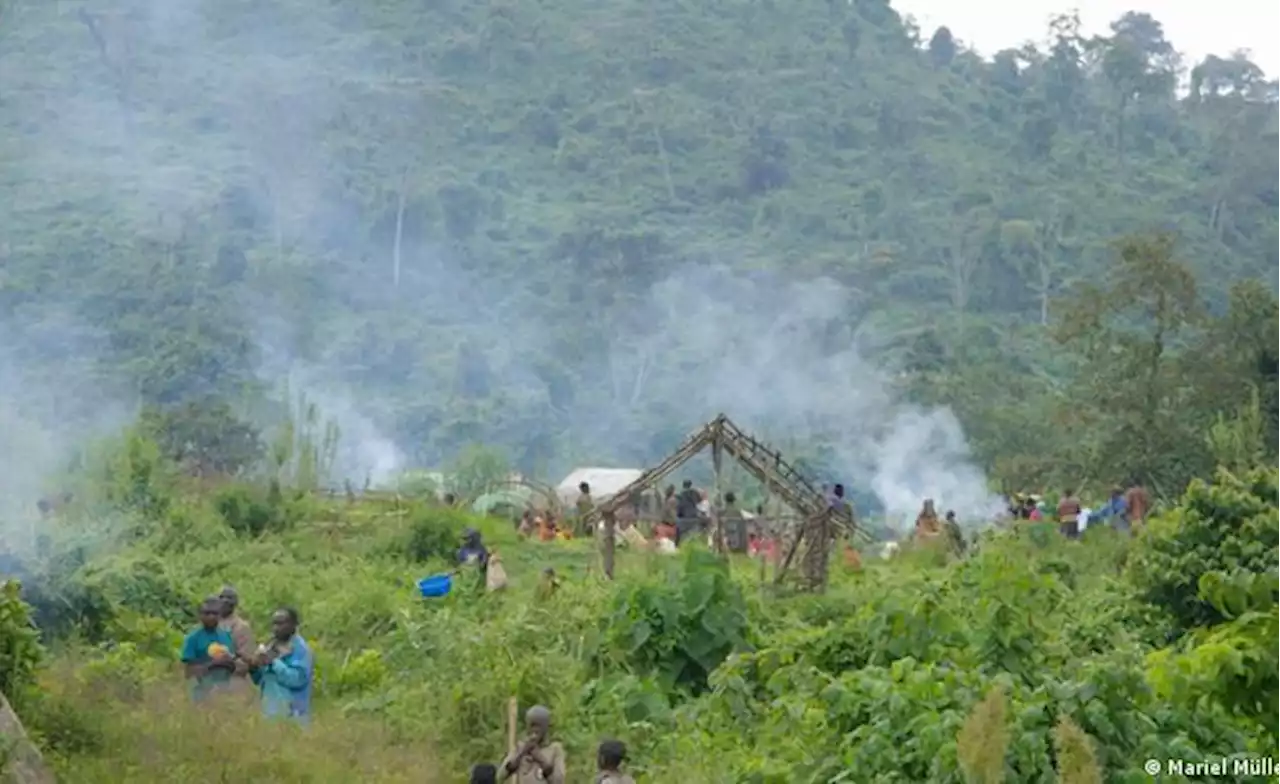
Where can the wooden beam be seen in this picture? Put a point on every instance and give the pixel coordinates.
(610, 542)
(717, 519)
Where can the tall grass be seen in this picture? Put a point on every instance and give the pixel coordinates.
(159, 735)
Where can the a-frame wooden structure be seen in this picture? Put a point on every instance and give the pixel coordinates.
(821, 522)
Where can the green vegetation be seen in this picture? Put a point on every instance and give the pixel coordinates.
(296, 243)
(494, 224)
(1021, 662)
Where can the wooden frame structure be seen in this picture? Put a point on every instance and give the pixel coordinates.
(821, 522)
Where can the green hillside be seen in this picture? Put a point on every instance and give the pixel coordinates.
(574, 230)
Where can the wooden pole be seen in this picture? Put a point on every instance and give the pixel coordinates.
(513, 723)
(610, 543)
(717, 521)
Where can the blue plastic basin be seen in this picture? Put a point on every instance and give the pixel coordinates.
(435, 586)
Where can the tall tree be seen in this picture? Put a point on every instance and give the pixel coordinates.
(1130, 394)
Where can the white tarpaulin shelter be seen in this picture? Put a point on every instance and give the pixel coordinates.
(605, 483)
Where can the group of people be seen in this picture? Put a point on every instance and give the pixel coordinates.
(221, 656)
(1125, 507)
(669, 520)
(540, 760)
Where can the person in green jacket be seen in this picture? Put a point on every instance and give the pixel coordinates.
(208, 653)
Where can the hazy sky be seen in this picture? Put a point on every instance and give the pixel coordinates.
(1195, 29)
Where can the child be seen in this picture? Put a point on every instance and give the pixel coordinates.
(484, 773)
(609, 759)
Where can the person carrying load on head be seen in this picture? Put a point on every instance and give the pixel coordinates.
(927, 524)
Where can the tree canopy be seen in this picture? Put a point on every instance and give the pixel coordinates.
(567, 227)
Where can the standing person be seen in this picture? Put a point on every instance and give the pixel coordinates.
(537, 759)
(1138, 503)
(954, 534)
(284, 668)
(609, 759)
(1069, 514)
(670, 506)
(1116, 509)
(927, 525)
(208, 653)
(735, 525)
(835, 499)
(686, 510)
(473, 551)
(241, 635)
(584, 505)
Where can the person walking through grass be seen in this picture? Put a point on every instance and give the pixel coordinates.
(537, 759)
(284, 669)
(208, 653)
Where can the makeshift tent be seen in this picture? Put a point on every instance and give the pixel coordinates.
(505, 500)
(604, 482)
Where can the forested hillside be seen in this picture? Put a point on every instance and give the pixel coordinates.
(577, 228)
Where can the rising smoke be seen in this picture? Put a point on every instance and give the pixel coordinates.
(53, 402)
(245, 103)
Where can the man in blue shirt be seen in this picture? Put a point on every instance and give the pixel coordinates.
(1116, 509)
(284, 669)
(209, 652)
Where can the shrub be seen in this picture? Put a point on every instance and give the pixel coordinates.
(20, 651)
(434, 532)
(680, 629)
(1225, 527)
(250, 512)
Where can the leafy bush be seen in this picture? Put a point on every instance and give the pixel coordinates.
(250, 512)
(434, 532)
(359, 674)
(1233, 665)
(1225, 527)
(678, 630)
(20, 651)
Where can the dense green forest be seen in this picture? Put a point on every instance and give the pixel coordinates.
(574, 230)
